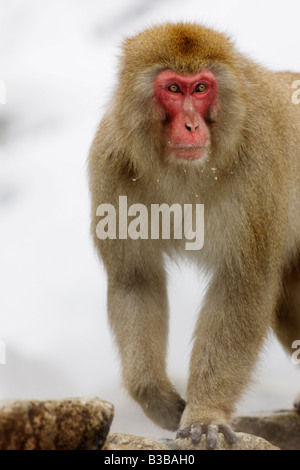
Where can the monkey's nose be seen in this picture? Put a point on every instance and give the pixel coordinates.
(191, 127)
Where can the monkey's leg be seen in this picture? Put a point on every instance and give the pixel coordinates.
(138, 314)
(228, 338)
(287, 320)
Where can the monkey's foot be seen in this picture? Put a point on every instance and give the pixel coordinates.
(211, 430)
(198, 419)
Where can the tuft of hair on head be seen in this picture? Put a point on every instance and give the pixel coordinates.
(182, 47)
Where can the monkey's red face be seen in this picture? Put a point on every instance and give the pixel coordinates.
(186, 101)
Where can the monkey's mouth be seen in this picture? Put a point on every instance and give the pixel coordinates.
(189, 153)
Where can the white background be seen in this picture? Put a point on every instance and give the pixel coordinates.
(58, 60)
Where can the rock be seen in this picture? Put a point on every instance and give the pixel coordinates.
(117, 441)
(297, 403)
(73, 423)
(281, 428)
(244, 442)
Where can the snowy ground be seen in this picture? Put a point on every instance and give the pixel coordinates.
(58, 61)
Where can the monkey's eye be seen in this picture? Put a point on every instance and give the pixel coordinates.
(174, 88)
(200, 88)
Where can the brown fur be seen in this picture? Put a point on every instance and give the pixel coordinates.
(252, 221)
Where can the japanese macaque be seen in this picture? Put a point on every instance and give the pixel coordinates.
(192, 121)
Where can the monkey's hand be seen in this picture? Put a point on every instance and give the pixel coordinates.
(194, 428)
(211, 430)
(164, 408)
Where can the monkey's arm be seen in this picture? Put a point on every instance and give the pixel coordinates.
(137, 295)
(138, 315)
(228, 338)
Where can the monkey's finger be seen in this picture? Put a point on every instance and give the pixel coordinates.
(181, 433)
(212, 437)
(228, 434)
(196, 433)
